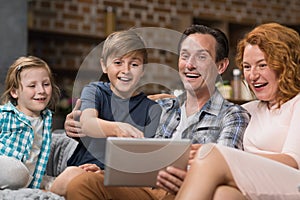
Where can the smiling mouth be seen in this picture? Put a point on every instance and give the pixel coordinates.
(40, 99)
(191, 75)
(124, 79)
(260, 85)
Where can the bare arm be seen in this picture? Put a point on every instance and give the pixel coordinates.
(92, 126)
(283, 158)
(95, 127)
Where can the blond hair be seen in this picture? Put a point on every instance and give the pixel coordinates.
(124, 43)
(13, 80)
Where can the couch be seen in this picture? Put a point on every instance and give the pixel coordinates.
(62, 148)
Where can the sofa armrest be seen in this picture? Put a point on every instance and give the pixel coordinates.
(62, 147)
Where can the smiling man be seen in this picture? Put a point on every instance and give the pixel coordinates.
(201, 113)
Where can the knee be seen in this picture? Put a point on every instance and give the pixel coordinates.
(13, 173)
(205, 151)
(228, 192)
(221, 192)
(69, 173)
(72, 171)
(210, 159)
(16, 179)
(204, 154)
(61, 182)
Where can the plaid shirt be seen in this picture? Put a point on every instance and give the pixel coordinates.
(16, 138)
(218, 121)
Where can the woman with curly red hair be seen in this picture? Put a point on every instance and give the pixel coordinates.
(269, 57)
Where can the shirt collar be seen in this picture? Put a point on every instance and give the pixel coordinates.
(214, 104)
(10, 107)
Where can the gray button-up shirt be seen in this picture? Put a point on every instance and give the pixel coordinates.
(218, 121)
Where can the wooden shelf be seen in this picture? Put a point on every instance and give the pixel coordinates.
(34, 33)
(46, 44)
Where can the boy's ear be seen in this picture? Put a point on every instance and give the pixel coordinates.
(222, 65)
(103, 66)
(143, 72)
(14, 93)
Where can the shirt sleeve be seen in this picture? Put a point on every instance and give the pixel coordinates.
(89, 96)
(234, 124)
(1, 121)
(154, 118)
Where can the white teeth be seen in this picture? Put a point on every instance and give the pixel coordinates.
(192, 75)
(124, 79)
(257, 85)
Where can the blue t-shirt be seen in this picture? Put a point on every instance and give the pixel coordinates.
(139, 111)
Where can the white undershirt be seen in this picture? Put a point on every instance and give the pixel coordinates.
(183, 124)
(37, 124)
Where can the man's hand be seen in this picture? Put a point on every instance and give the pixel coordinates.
(72, 124)
(155, 97)
(171, 179)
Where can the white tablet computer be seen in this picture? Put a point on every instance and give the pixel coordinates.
(136, 162)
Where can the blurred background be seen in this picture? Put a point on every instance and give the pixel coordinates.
(66, 33)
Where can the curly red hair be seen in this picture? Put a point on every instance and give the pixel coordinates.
(281, 46)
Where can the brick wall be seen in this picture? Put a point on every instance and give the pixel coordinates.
(88, 16)
(65, 32)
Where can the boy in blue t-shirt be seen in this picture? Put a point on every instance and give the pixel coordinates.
(112, 109)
